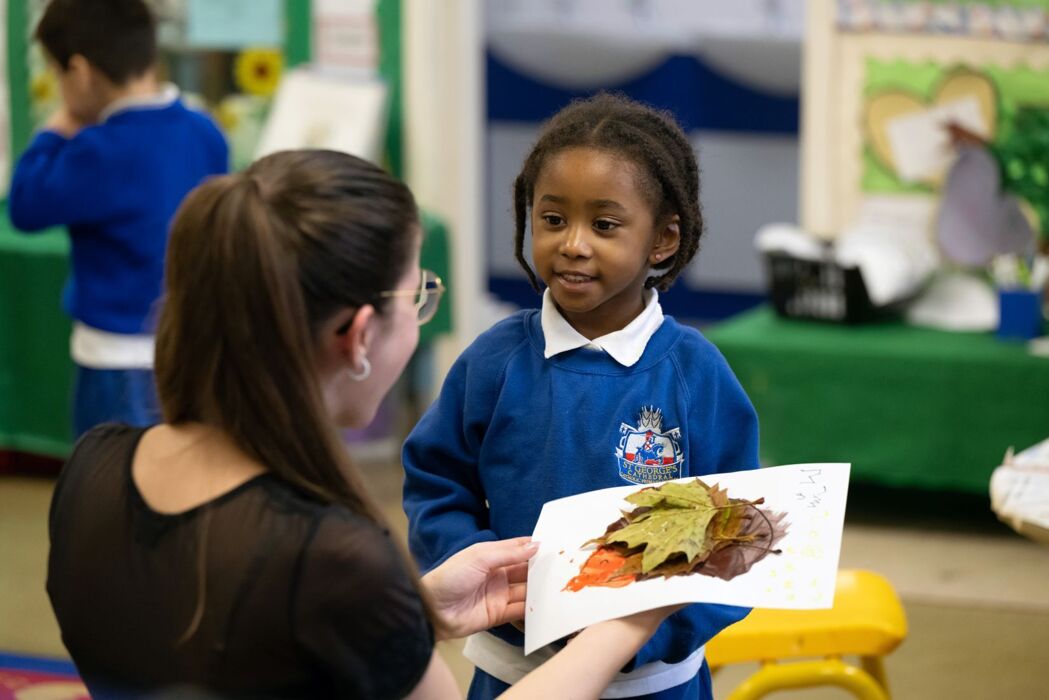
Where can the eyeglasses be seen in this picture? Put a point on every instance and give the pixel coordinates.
(427, 298)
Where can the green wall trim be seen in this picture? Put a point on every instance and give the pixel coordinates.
(389, 18)
(18, 76)
(298, 31)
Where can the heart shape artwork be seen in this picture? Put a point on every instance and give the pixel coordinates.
(889, 113)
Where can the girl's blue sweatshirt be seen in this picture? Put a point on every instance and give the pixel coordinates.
(512, 430)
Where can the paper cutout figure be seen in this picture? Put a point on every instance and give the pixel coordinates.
(977, 220)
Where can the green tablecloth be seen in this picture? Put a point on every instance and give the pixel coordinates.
(907, 406)
(35, 370)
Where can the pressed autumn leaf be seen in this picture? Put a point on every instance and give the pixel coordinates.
(664, 532)
(681, 528)
(691, 495)
(728, 524)
(733, 559)
(670, 519)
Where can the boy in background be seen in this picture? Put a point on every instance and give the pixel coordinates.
(112, 165)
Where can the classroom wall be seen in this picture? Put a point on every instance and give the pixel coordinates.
(747, 180)
(443, 126)
(731, 76)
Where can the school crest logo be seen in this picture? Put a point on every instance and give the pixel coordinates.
(647, 454)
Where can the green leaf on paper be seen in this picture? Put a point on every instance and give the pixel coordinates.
(693, 495)
(674, 526)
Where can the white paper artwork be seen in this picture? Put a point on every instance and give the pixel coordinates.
(802, 576)
(920, 142)
(314, 111)
(1020, 491)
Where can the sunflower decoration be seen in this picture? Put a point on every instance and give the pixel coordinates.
(258, 71)
(43, 88)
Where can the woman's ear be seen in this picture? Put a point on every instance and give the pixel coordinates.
(668, 239)
(353, 344)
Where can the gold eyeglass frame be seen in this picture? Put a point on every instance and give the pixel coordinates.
(424, 292)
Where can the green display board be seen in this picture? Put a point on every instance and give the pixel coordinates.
(1006, 91)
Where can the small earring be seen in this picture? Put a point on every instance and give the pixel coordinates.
(658, 257)
(366, 369)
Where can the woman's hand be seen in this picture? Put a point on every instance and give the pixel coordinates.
(480, 587)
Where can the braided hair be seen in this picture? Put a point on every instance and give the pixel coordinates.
(650, 139)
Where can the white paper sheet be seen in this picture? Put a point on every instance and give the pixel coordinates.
(920, 142)
(315, 111)
(1021, 495)
(801, 577)
(1020, 488)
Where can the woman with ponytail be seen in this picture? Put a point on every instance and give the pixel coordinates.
(232, 548)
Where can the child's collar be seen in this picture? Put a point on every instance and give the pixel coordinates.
(167, 95)
(625, 346)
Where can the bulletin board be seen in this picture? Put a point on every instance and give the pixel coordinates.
(225, 55)
(222, 62)
(882, 78)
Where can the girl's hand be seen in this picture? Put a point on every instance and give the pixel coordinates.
(480, 587)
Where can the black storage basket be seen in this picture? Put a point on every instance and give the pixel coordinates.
(820, 290)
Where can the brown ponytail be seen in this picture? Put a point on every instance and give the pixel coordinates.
(256, 261)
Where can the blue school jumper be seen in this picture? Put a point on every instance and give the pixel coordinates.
(513, 429)
(115, 186)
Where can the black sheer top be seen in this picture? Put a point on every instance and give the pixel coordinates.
(301, 599)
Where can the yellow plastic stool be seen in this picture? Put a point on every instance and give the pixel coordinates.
(867, 621)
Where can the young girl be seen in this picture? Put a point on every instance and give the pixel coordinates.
(598, 389)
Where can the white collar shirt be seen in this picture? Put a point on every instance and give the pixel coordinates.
(167, 95)
(625, 346)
